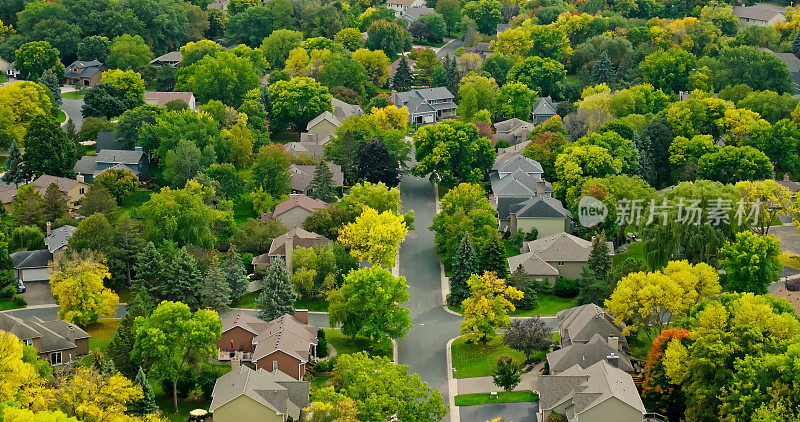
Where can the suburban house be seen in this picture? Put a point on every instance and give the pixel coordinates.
(553, 257)
(426, 105)
(219, 5)
(792, 64)
(580, 324)
(162, 98)
(542, 109)
(284, 344)
(33, 265)
(73, 189)
(7, 195)
(515, 179)
(400, 6)
(89, 166)
(84, 74)
(172, 58)
(482, 49)
(512, 130)
(760, 14)
(413, 13)
(599, 393)
(58, 342)
(283, 246)
(320, 129)
(244, 394)
(542, 212)
(587, 354)
(293, 211)
(303, 174)
(4, 65)
(309, 148)
(11, 72)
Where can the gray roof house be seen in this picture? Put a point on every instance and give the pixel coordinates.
(84, 73)
(512, 130)
(89, 166)
(58, 342)
(246, 394)
(301, 176)
(172, 58)
(283, 246)
(760, 14)
(482, 49)
(411, 14)
(107, 140)
(587, 354)
(320, 129)
(426, 105)
(33, 265)
(551, 257)
(580, 324)
(543, 108)
(515, 179)
(599, 393)
(792, 64)
(542, 212)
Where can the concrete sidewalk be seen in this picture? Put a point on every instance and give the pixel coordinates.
(529, 381)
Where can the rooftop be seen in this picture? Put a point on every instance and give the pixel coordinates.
(274, 390)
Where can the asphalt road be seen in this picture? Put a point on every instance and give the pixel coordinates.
(449, 48)
(423, 347)
(512, 412)
(72, 108)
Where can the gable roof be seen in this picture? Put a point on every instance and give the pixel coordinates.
(7, 194)
(518, 184)
(518, 161)
(532, 264)
(413, 13)
(588, 387)
(86, 165)
(303, 174)
(53, 335)
(343, 110)
(325, 115)
(311, 148)
(544, 106)
(122, 156)
(31, 259)
(274, 390)
(162, 98)
(581, 323)
(792, 62)
(302, 201)
(58, 238)
(245, 321)
(44, 181)
(561, 247)
(762, 12)
(585, 355)
(84, 69)
(540, 207)
(300, 238)
(288, 335)
(505, 153)
(170, 57)
(511, 124)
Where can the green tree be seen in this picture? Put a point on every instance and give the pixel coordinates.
(224, 76)
(464, 266)
(95, 47)
(146, 404)
(463, 209)
(271, 170)
(235, 274)
(751, 263)
(50, 80)
(321, 184)
(277, 295)
(129, 52)
(387, 36)
(543, 75)
(182, 163)
(118, 182)
(368, 304)
(98, 200)
(747, 65)
(515, 100)
(451, 12)
(493, 257)
(54, 203)
(603, 70)
(251, 26)
(668, 70)
(47, 150)
(485, 13)
(506, 374)
(255, 237)
(403, 79)
(26, 238)
(215, 292)
(277, 45)
(732, 164)
(173, 337)
(441, 152)
(28, 207)
(377, 165)
(119, 349)
(297, 101)
(595, 281)
(15, 168)
(350, 38)
(33, 58)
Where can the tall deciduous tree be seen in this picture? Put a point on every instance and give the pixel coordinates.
(321, 185)
(297, 101)
(463, 209)
(173, 337)
(118, 182)
(487, 307)
(277, 295)
(28, 207)
(33, 58)
(452, 151)
(374, 237)
(224, 77)
(464, 266)
(129, 52)
(376, 165)
(47, 150)
(751, 263)
(77, 286)
(368, 304)
(528, 335)
(387, 36)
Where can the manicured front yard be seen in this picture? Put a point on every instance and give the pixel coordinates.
(74, 95)
(248, 301)
(546, 305)
(345, 345)
(479, 360)
(502, 397)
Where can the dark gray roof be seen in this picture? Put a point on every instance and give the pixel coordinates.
(544, 106)
(59, 237)
(586, 355)
(119, 156)
(581, 323)
(31, 259)
(84, 69)
(540, 207)
(519, 184)
(762, 12)
(86, 165)
(585, 388)
(18, 327)
(53, 335)
(518, 161)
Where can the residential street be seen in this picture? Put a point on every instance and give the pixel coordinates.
(73, 110)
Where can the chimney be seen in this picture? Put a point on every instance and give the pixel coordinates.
(288, 250)
(49, 228)
(613, 341)
(301, 315)
(613, 360)
(540, 188)
(235, 363)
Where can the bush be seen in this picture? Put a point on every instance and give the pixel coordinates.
(186, 383)
(326, 365)
(322, 344)
(8, 292)
(793, 285)
(532, 235)
(19, 301)
(566, 288)
(556, 417)
(206, 380)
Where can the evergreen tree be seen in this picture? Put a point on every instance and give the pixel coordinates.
(149, 268)
(47, 150)
(464, 265)
(55, 203)
(215, 293)
(146, 404)
(375, 164)
(235, 274)
(277, 295)
(519, 279)
(50, 80)
(599, 259)
(403, 80)
(119, 350)
(451, 68)
(493, 257)
(14, 166)
(181, 280)
(603, 70)
(796, 44)
(321, 185)
(594, 283)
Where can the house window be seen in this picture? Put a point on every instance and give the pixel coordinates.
(274, 365)
(560, 263)
(28, 342)
(55, 358)
(80, 191)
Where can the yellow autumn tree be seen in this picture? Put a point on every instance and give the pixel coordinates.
(390, 117)
(77, 286)
(19, 380)
(651, 300)
(374, 237)
(769, 197)
(92, 396)
(487, 307)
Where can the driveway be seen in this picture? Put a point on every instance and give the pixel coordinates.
(73, 110)
(38, 293)
(510, 412)
(789, 237)
(449, 48)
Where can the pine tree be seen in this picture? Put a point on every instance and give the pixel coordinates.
(235, 274)
(452, 74)
(215, 293)
(55, 203)
(599, 259)
(493, 257)
(464, 265)
(321, 185)
(277, 293)
(50, 80)
(519, 279)
(149, 268)
(14, 166)
(376, 165)
(594, 283)
(181, 280)
(146, 404)
(403, 78)
(796, 44)
(119, 350)
(603, 70)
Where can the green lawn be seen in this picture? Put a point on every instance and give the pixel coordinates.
(635, 250)
(502, 397)
(74, 95)
(102, 332)
(345, 345)
(789, 260)
(6, 304)
(136, 199)
(185, 405)
(248, 301)
(242, 210)
(511, 248)
(317, 383)
(640, 345)
(479, 360)
(546, 305)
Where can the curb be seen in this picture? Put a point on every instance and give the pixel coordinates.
(452, 384)
(395, 353)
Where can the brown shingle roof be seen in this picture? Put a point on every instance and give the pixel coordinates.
(302, 201)
(288, 335)
(300, 238)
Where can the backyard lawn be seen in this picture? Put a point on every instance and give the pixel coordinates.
(74, 95)
(545, 305)
(345, 345)
(102, 332)
(61, 117)
(502, 397)
(479, 360)
(248, 301)
(635, 250)
(136, 199)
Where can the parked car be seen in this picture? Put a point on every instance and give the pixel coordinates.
(20, 287)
